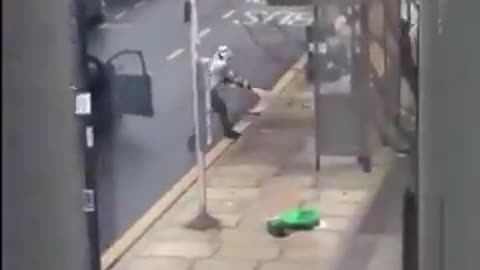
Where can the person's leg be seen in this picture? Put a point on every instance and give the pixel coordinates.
(218, 106)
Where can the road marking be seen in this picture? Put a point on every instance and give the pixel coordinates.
(228, 14)
(120, 15)
(241, 125)
(116, 25)
(204, 32)
(175, 54)
(258, 2)
(139, 4)
(277, 17)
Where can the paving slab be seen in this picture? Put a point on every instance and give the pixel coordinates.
(235, 251)
(289, 265)
(333, 208)
(151, 263)
(219, 264)
(232, 193)
(254, 237)
(182, 249)
(159, 232)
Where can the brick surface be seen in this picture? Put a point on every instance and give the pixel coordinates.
(180, 249)
(216, 264)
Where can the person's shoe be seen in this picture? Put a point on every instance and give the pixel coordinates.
(232, 134)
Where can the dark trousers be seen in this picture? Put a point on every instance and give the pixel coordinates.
(218, 106)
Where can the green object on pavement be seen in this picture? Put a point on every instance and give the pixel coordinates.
(292, 220)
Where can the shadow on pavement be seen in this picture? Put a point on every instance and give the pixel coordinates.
(377, 242)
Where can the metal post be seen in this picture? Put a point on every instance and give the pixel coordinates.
(203, 220)
(43, 226)
(317, 35)
(87, 138)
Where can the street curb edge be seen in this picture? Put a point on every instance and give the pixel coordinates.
(139, 228)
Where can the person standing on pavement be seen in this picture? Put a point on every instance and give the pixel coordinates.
(220, 75)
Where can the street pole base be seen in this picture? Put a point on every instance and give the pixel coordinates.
(202, 222)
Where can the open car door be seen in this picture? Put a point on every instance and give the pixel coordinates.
(132, 92)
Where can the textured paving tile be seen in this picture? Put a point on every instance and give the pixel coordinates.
(219, 264)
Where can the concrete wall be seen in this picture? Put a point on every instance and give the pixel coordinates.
(449, 135)
(43, 225)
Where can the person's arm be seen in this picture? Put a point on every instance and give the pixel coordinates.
(231, 77)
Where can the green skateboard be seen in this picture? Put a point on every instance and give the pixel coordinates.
(295, 219)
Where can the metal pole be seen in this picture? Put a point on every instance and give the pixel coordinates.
(203, 220)
(87, 139)
(43, 225)
(317, 82)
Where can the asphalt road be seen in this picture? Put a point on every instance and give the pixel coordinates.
(147, 156)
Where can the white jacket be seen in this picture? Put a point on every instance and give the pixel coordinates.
(220, 74)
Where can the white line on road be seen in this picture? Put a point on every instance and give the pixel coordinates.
(139, 4)
(116, 26)
(175, 54)
(120, 15)
(228, 14)
(204, 32)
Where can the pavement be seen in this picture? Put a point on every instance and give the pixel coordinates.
(146, 157)
(269, 169)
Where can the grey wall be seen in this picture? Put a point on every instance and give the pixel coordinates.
(449, 135)
(43, 226)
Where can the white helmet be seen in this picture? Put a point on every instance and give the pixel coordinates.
(224, 52)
